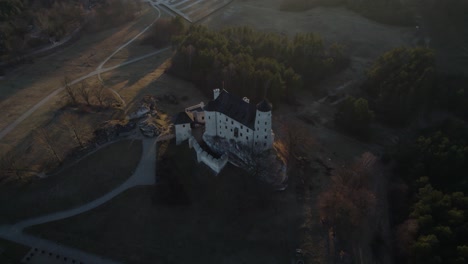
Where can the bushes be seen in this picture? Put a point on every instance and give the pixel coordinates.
(354, 116)
(442, 235)
(402, 84)
(164, 30)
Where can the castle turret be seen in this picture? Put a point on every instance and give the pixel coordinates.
(263, 133)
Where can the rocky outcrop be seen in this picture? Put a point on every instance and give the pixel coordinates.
(112, 129)
(146, 107)
(267, 165)
(149, 127)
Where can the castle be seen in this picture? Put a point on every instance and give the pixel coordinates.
(230, 118)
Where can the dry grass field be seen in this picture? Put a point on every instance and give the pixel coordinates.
(28, 84)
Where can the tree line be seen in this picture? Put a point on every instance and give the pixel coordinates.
(255, 64)
(430, 214)
(427, 199)
(403, 85)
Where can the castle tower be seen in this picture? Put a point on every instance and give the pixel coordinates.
(210, 116)
(263, 134)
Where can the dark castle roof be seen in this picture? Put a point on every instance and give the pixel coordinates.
(181, 118)
(234, 107)
(264, 106)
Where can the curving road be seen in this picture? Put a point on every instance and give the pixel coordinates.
(143, 175)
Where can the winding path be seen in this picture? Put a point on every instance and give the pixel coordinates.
(143, 175)
(98, 71)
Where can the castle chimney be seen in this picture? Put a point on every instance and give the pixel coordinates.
(215, 93)
(246, 100)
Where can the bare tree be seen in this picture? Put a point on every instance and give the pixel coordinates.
(348, 201)
(70, 92)
(78, 130)
(111, 100)
(12, 162)
(42, 136)
(295, 137)
(84, 92)
(100, 94)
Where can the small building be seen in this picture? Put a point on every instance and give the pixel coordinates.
(182, 124)
(196, 113)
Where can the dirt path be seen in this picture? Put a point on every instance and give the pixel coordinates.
(46, 99)
(98, 71)
(99, 68)
(144, 174)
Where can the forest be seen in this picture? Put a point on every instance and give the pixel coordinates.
(405, 90)
(255, 64)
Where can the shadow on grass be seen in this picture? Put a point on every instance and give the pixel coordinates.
(90, 178)
(190, 216)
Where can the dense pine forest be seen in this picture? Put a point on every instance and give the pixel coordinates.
(255, 64)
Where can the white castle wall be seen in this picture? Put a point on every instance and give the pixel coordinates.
(182, 132)
(263, 133)
(202, 156)
(226, 128)
(210, 123)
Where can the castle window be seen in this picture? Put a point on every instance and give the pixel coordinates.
(265, 123)
(264, 144)
(265, 129)
(242, 127)
(226, 119)
(258, 122)
(257, 136)
(226, 127)
(231, 129)
(265, 137)
(183, 125)
(209, 117)
(247, 138)
(241, 134)
(236, 132)
(255, 143)
(232, 122)
(203, 118)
